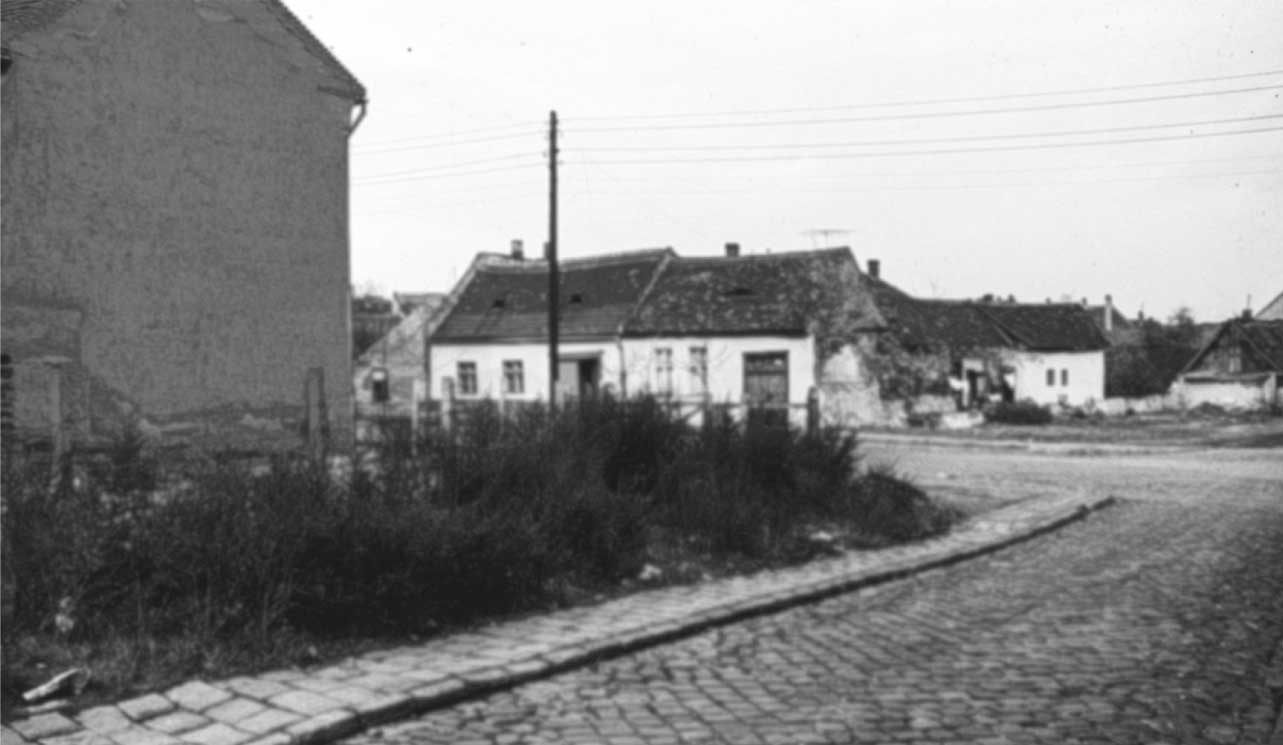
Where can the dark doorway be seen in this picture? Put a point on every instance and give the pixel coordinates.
(766, 388)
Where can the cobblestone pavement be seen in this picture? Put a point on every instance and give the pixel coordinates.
(1157, 621)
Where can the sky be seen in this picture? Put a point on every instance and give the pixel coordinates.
(951, 141)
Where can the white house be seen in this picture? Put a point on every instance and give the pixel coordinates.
(741, 332)
(962, 353)
(749, 332)
(493, 340)
(1240, 367)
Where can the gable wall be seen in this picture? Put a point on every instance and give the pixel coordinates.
(1086, 377)
(173, 175)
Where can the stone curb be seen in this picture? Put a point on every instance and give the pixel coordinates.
(1032, 446)
(307, 708)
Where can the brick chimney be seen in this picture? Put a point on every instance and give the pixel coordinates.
(875, 268)
(732, 250)
(1109, 313)
(518, 249)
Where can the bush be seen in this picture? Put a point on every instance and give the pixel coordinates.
(498, 515)
(1018, 412)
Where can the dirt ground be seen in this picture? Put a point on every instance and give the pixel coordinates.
(1196, 429)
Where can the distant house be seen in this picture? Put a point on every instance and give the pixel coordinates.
(739, 331)
(390, 377)
(939, 355)
(760, 332)
(1273, 310)
(175, 237)
(1240, 367)
(492, 341)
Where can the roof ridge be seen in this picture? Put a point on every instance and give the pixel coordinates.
(582, 262)
(809, 252)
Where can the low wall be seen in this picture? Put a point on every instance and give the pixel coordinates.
(1247, 395)
(1120, 405)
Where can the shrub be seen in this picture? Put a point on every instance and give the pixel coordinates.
(494, 516)
(885, 505)
(1018, 412)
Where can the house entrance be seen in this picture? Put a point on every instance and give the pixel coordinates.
(578, 377)
(766, 387)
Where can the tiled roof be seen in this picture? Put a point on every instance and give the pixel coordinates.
(1047, 327)
(1263, 340)
(509, 301)
(786, 293)
(970, 324)
(932, 323)
(19, 17)
(1272, 311)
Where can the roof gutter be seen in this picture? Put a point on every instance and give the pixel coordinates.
(360, 116)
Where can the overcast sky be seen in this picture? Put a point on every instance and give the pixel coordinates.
(831, 116)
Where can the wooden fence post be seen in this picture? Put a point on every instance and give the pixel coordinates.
(812, 411)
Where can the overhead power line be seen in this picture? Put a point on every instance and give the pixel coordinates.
(847, 176)
(528, 126)
(947, 151)
(925, 115)
(934, 101)
(934, 187)
(456, 143)
(928, 140)
(423, 176)
(447, 166)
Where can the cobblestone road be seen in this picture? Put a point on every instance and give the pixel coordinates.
(1157, 621)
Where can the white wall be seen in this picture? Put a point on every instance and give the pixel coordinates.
(1086, 372)
(725, 365)
(490, 357)
(1252, 393)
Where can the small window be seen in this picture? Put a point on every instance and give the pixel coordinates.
(1064, 377)
(699, 369)
(576, 298)
(664, 369)
(1051, 376)
(467, 375)
(379, 385)
(514, 377)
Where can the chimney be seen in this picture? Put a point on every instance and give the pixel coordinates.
(1109, 313)
(875, 268)
(732, 250)
(518, 249)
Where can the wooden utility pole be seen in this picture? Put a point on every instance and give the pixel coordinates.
(553, 300)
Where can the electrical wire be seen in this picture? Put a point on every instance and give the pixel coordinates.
(434, 145)
(445, 175)
(941, 187)
(932, 102)
(924, 115)
(929, 140)
(450, 166)
(948, 151)
(452, 135)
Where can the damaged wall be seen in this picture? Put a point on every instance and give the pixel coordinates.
(175, 185)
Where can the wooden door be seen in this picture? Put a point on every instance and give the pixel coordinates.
(766, 387)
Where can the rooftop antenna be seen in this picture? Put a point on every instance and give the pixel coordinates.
(824, 233)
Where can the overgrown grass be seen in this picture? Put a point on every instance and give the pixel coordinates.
(214, 568)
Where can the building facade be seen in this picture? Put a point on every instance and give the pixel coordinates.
(175, 231)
